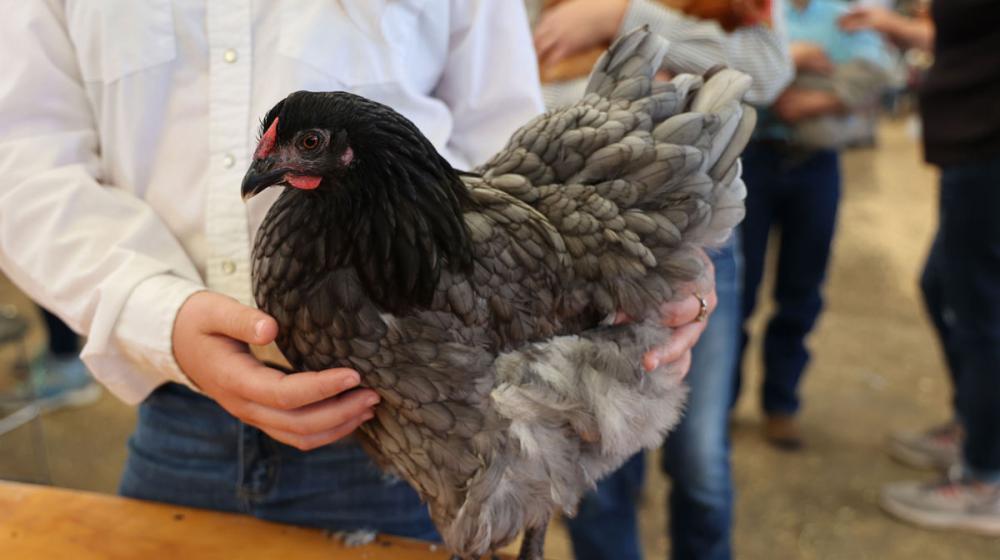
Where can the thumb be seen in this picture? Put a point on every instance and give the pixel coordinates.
(244, 323)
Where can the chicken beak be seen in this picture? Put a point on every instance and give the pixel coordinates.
(260, 176)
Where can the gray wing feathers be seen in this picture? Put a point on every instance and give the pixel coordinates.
(636, 172)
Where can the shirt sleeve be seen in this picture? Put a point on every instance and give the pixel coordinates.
(99, 257)
(697, 45)
(490, 81)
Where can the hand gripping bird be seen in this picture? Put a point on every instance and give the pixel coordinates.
(480, 305)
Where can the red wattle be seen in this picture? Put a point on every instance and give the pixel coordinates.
(304, 182)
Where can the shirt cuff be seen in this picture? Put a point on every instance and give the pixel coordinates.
(144, 337)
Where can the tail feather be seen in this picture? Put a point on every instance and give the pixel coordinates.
(626, 70)
(629, 148)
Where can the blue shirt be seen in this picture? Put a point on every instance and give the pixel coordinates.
(817, 23)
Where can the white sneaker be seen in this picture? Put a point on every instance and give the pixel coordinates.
(956, 503)
(52, 383)
(936, 448)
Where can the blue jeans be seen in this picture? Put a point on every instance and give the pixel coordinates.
(941, 315)
(695, 455)
(968, 256)
(799, 195)
(187, 450)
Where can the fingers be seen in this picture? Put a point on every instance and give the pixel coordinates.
(681, 341)
(551, 46)
(305, 404)
(572, 27)
(849, 23)
(235, 320)
(683, 365)
(682, 316)
(305, 410)
(556, 54)
(679, 313)
(547, 37)
(855, 20)
(314, 420)
(250, 380)
(312, 441)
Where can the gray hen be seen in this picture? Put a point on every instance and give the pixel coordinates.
(479, 305)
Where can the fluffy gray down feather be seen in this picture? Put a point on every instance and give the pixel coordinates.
(495, 407)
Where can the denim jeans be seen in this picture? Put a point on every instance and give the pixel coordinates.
(941, 315)
(799, 195)
(695, 454)
(968, 258)
(187, 450)
(63, 342)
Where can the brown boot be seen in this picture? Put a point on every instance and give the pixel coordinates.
(782, 431)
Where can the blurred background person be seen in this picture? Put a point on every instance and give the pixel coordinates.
(937, 446)
(56, 377)
(961, 281)
(569, 36)
(792, 172)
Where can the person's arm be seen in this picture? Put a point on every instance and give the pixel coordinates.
(810, 57)
(762, 52)
(696, 45)
(796, 104)
(97, 256)
(903, 31)
(104, 261)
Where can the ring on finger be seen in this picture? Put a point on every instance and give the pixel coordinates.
(702, 309)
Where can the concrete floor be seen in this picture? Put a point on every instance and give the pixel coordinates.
(876, 368)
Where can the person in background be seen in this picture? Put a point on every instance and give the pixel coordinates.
(56, 378)
(122, 150)
(696, 453)
(938, 446)
(961, 279)
(792, 172)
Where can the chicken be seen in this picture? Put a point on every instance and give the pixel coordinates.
(481, 306)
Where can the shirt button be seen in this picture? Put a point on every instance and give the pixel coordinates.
(228, 161)
(228, 267)
(229, 56)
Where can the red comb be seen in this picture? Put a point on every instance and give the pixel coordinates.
(267, 141)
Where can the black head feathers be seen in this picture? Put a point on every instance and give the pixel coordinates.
(393, 209)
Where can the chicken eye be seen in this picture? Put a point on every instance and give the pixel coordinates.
(309, 141)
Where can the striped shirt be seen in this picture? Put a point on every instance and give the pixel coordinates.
(696, 45)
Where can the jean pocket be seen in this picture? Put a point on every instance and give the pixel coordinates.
(180, 427)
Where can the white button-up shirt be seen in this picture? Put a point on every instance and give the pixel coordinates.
(125, 129)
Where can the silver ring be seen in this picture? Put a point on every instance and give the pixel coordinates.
(702, 310)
